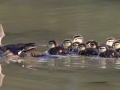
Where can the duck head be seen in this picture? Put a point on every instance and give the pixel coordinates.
(52, 44)
(67, 43)
(110, 41)
(78, 38)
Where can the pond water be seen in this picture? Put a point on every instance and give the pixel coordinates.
(42, 20)
(66, 72)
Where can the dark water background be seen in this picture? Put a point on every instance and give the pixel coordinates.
(42, 20)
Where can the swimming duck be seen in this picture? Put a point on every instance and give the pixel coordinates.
(19, 48)
(52, 44)
(116, 46)
(84, 50)
(109, 41)
(77, 38)
(92, 44)
(106, 52)
(54, 49)
(74, 49)
(67, 43)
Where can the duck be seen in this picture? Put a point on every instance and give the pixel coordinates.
(109, 41)
(77, 38)
(85, 50)
(116, 46)
(74, 49)
(54, 49)
(19, 49)
(67, 45)
(92, 44)
(52, 44)
(82, 49)
(106, 52)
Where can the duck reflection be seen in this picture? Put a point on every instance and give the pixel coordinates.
(117, 63)
(83, 62)
(102, 63)
(78, 61)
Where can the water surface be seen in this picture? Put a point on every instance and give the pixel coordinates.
(42, 20)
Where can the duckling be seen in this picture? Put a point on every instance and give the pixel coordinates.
(106, 52)
(67, 44)
(109, 41)
(116, 46)
(54, 49)
(52, 44)
(92, 44)
(84, 50)
(75, 46)
(77, 38)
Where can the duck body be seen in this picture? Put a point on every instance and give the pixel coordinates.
(92, 51)
(84, 50)
(26, 49)
(89, 52)
(106, 52)
(54, 49)
(58, 50)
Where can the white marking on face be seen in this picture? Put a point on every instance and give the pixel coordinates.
(102, 49)
(109, 42)
(78, 39)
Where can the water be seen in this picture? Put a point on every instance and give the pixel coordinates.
(65, 72)
(42, 20)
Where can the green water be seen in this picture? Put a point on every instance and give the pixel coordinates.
(42, 20)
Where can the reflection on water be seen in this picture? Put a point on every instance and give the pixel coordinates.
(82, 62)
(86, 73)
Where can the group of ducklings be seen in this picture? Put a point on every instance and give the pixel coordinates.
(109, 49)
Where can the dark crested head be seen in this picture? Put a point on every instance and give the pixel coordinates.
(110, 41)
(52, 44)
(67, 43)
(92, 44)
(77, 38)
